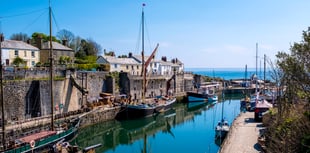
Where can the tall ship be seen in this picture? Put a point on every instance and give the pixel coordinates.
(146, 106)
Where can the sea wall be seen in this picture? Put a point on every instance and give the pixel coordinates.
(24, 99)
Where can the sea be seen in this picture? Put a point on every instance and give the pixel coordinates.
(185, 128)
(231, 73)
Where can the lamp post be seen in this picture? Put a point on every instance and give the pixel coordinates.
(1, 84)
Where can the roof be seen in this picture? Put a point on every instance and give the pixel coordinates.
(139, 58)
(263, 104)
(115, 60)
(14, 44)
(56, 46)
(165, 63)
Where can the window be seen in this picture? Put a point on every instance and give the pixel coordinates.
(32, 54)
(127, 67)
(33, 63)
(131, 66)
(115, 65)
(25, 53)
(16, 53)
(137, 66)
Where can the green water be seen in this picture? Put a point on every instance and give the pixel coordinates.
(183, 129)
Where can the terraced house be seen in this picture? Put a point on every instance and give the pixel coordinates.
(128, 65)
(11, 49)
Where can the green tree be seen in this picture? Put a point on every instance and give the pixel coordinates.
(288, 130)
(87, 48)
(45, 37)
(18, 61)
(296, 69)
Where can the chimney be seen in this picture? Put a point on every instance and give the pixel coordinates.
(39, 41)
(130, 55)
(28, 41)
(164, 58)
(65, 42)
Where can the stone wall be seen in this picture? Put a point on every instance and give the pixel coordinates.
(31, 98)
(98, 115)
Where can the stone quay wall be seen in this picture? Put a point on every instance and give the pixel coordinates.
(30, 97)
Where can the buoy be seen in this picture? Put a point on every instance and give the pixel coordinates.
(32, 144)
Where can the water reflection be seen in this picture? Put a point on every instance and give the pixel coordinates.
(185, 125)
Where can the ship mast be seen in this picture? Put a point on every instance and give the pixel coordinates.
(142, 54)
(51, 68)
(2, 100)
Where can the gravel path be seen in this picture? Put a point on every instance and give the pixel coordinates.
(243, 134)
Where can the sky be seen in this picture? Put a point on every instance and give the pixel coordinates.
(200, 33)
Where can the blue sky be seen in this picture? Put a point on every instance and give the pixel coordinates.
(201, 33)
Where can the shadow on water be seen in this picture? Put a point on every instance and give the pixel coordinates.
(139, 135)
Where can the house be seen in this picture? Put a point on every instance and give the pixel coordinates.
(177, 65)
(12, 49)
(128, 65)
(59, 50)
(161, 67)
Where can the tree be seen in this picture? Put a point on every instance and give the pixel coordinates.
(296, 69)
(94, 47)
(18, 61)
(288, 127)
(66, 35)
(45, 37)
(87, 48)
(20, 37)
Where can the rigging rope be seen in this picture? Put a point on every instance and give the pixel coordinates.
(35, 20)
(21, 14)
(54, 19)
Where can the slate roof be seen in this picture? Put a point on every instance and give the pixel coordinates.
(115, 60)
(56, 46)
(14, 44)
(139, 58)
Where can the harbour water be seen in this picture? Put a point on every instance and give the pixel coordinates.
(185, 128)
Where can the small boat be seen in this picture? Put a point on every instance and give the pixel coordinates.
(165, 104)
(221, 129)
(42, 140)
(203, 94)
(65, 147)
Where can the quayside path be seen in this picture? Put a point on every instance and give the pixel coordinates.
(243, 134)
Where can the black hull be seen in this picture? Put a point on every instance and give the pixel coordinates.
(134, 112)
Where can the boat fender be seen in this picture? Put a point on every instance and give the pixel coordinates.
(32, 143)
